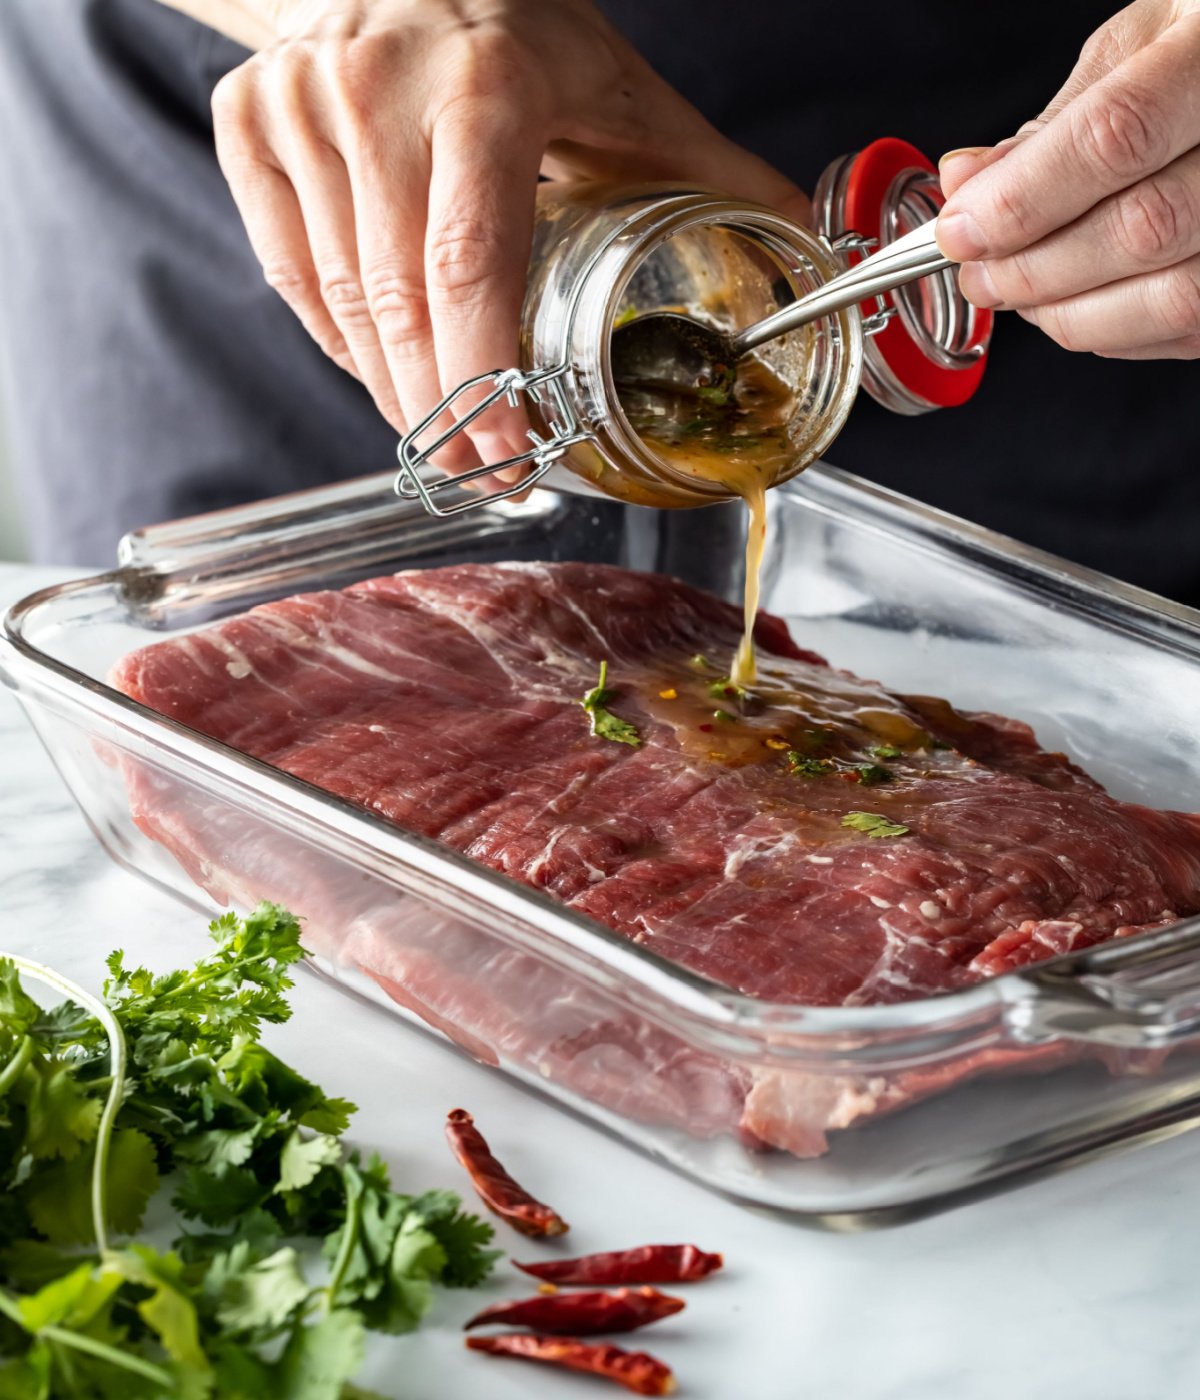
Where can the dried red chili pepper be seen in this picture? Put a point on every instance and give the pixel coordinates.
(498, 1191)
(582, 1314)
(648, 1263)
(635, 1370)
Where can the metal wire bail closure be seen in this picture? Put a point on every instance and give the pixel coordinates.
(543, 386)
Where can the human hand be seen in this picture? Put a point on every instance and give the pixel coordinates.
(1087, 222)
(384, 155)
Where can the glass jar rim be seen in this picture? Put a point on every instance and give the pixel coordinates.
(684, 208)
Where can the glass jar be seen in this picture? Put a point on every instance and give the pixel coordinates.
(605, 254)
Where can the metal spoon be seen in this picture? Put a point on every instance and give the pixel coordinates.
(677, 354)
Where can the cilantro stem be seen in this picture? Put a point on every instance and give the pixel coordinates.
(116, 1048)
(16, 1066)
(346, 1248)
(79, 1341)
(64, 1337)
(103, 1352)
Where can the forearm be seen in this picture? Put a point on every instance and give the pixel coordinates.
(249, 22)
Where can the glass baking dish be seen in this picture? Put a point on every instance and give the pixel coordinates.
(917, 1106)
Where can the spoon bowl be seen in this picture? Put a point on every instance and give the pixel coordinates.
(664, 352)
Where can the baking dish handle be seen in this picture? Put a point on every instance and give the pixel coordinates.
(1143, 993)
(290, 518)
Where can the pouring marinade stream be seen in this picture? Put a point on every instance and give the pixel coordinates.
(733, 431)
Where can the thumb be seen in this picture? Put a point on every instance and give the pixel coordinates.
(958, 166)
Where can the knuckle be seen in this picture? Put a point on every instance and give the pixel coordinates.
(1153, 221)
(293, 283)
(343, 293)
(463, 256)
(1014, 281)
(396, 302)
(234, 106)
(358, 70)
(338, 351)
(1100, 48)
(1123, 136)
(1058, 325)
(1180, 302)
(487, 61)
(1010, 212)
(229, 99)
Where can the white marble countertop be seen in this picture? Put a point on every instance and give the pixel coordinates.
(1085, 1286)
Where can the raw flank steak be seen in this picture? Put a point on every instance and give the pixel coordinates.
(819, 840)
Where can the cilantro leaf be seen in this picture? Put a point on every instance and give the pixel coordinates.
(220, 1195)
(318, 1360)
(219, 1147)
(328, 1116)
(464, 1239)
(257, 1294)
(27, 1377)
(606, 725)
(414, 1264)
(303, 1158)
(168, 1311)
(18, 1010)
(73, 1299)
(58, 1197)
(61, 1114)
(873, 824)
(258, 1230)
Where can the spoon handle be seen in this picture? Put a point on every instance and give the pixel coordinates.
(914, 255)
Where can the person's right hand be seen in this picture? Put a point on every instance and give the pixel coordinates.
(384, 156)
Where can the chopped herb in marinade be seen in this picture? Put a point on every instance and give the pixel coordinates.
(887, 751)
(606, 725)
(804, 767)
(873, 824)
(871, 773)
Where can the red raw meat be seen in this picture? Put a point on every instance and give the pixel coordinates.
(447, 701)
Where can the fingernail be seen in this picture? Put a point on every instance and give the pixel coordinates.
(959, 237)
(975, 283)
(961, 152)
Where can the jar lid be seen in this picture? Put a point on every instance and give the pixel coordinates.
(927, 344)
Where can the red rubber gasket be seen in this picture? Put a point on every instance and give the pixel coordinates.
(867, 184)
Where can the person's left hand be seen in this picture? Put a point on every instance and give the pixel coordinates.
(1087, 222)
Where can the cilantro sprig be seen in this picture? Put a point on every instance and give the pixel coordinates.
(162, 1083)
(606, 725)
